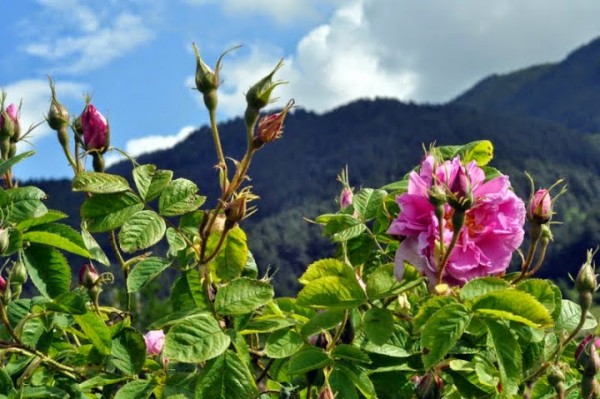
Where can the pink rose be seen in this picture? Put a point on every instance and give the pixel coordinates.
(492, 229)
(540, 206)
(95, 129)
(155, 340)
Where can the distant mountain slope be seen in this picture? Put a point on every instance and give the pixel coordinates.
(567, 92)
(380, 141)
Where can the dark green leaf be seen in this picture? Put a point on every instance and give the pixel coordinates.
(179, 197)
(128, 351)
(195, 340)
(150, 182)
(5, 165)
(99, 183)
(48, 217)
(307, 359)
(429, 308)
(481, 286)
(22, 203)
(508, 355)
(232, 257)
(350, 353)
(322, 321)
(137, 389)
(187, 292)
(379, 325)
(332, 292)
(48, 270)
(242, 295)
(226, 377)
(69, 302)
(283, 343)
(145, 271)
(441, 332)
(96, 331)
(93, 247)
(105, 212)
(141, 231)
(59, 236)
(367, 202)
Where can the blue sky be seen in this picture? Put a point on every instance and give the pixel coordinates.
(135, 57)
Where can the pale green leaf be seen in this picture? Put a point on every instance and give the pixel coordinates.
(508, 355)
(48, 270)
(195, 340)
(226, 377)
(151, 181)
(179, 197)
(141, 231)
(242, 295)
(145, 271)
(441, 332)
(283, 343)
(99, 183)
(106, 212)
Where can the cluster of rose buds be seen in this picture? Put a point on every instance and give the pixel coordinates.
(10, 129)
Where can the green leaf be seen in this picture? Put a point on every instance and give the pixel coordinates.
(379, 325)
(343, 227)
(341, 385)
(324, 268)
(226, 377)
(137, 389)
(508, 355)
(546, 292)
(515, 302)
(93, 247)
(266, 325)
(322, 321)
(48, 217)
(46, 392)
(308, 359)
(179, 197)
(141, 231)
(350, 353)
(187, 292)
(381, 282)
(441, 332)
(128, 351)
(394, 347)
(106, 212)
(283, 343)
(69, 302)
(367, 202)
(48, 270)
(570, 315)
(9, 163)
(59, 236)
(232, 257)
(332, 292)
(429, 308)
(96, 331)
(99, 183)
(195, 340)
(145, 271)
(151, 181)
(100, 380)
(22, 203)
(481, 286)
(242, 295)
(175, 240)
(360, 379)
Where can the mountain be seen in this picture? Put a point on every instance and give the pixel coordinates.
(567, 92)
(380, 141)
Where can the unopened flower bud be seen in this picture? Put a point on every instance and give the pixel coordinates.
(586, 355)
(206, 79)
(556, 379)
(58, 115)
(430, 387)
(235, 211)
(95, 128)
(270, 127)
(437, 195)
(346, 197)
(88, 276)
(155, 341)
(318, 340)
(326, 393)
(586, 278)
(9, 121)
(403, 301)
(540, 207)
(461, 194)
(18, 273)
(259, 95)
(2, 285)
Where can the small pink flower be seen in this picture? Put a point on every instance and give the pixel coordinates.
(2, 284)
(155, 340)
(346, 198)
(95, 129)
(540, 206)
(492, 230)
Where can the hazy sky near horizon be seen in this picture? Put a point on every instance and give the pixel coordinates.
(135, 57)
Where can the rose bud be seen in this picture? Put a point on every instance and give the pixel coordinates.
(88, 275)
(2, 284)
(270, 127)
(346, 198)
(540, 207)
(58, 115)
(461, 197)
(9, 121)
(155, 341)
(95, 128)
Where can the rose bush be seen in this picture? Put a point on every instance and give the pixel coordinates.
(417, 301)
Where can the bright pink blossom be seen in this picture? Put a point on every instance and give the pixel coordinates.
(155, 340)
(492, 230)
(540, 206)
(95, 128)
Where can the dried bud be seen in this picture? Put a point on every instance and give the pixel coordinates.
(326, 393)
(9, 122)
(95, 128)
(270, 127)
(235, 211)
(155, 341)
(430, 387)
(58, 116)
(540, 207)
(88, 276)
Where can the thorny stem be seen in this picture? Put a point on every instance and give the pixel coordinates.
(528, 260)
(124, 267)
(223, 178)
(540, 260)
(444, 262)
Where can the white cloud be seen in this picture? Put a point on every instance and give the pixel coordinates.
(281, 11)
(423, 51)
(35, 94)
(143, 145)
(96, 48)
